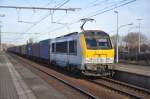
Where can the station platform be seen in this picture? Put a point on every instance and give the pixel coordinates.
(17, 82)
(136, 69)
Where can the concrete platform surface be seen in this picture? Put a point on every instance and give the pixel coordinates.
(17, 82)
(137, 69)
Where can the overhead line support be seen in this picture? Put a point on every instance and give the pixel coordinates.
(40, 8)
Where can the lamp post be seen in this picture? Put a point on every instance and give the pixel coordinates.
(117, 38)
(139, 41)
(125, 25)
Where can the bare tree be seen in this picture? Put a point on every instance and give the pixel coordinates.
(113, 39)
(132, 40)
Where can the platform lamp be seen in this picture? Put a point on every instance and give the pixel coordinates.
(118, 27)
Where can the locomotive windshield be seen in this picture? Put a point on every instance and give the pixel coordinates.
(97, 40)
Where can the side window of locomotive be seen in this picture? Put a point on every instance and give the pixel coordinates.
(73, 47)
(61, 47)
(53, 47)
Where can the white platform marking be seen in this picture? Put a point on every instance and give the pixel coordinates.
(22, 89)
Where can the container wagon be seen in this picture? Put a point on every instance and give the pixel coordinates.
(35, 51)
(29, 50)
(45, 50)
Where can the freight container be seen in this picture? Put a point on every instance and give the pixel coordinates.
(12, 49)
(23, 49)
(35, 50)
(45, 49)
(18, 50)
(29, 49)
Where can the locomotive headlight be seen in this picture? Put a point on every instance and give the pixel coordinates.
(99, 60)
(88, 60)
(110, 60)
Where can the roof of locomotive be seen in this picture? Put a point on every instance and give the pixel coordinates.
(102, 33)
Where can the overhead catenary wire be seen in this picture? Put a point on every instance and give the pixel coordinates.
(89, 6)
(52, 12)
(98, 13)
(93, 15)
(57, 6)
(34, 13)
(18, 13)
(113, 4)
(39, 8)
(49, 3)
(63, 3)
(28, 2)
(113, 8)
(84, 8)
(95, 3)
(19, 19)
(18, 33)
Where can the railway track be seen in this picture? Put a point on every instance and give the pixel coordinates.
(118, 87)
(123, 88)
(85, 93)
(89, 95)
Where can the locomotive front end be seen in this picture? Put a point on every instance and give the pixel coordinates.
(98, 53)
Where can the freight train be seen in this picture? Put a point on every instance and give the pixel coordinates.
(90, 52)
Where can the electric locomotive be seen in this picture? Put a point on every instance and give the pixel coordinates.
(90, 52)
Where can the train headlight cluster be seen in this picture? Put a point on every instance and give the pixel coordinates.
(110, 60)
(99, 60)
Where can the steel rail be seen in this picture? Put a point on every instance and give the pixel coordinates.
(89, 95)
(115, 89)
(122, 84)
(127, 85)
(135, 88)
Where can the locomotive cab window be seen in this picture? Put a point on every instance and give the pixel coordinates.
(104, 43)
(97, 40)
(73, 47)
(91, 43)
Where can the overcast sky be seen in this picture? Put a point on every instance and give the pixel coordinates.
(15, 32)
